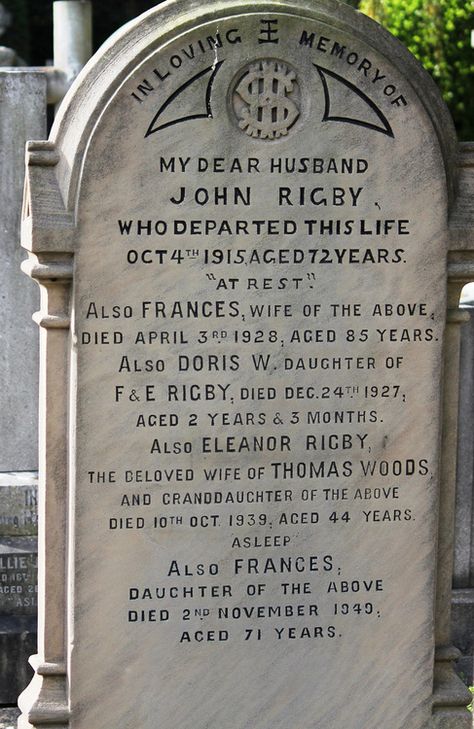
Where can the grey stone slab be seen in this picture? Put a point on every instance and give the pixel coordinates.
(23, 117)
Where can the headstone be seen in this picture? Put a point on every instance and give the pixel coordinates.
(18, 338)
(242, 390)
(19, 385)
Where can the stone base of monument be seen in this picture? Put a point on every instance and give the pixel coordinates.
(463, 638)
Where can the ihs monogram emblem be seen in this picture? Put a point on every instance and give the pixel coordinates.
(266, 99)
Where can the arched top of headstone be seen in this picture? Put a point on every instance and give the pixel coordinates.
(123, 54)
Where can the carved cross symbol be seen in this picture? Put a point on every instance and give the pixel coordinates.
(268, 29)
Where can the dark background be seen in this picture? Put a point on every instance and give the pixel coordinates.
(436, 31)
(31, 32)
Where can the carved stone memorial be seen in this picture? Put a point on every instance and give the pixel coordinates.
(241, 228)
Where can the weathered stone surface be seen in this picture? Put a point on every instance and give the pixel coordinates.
(18, 297)
(321, 416)
(18, 504)
(249, 426)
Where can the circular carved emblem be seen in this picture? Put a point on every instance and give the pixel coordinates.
(266, 99)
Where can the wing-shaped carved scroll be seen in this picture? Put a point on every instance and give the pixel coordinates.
(354, 107)
(194, 95)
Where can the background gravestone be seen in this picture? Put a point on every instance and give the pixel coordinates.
(19, 363)
(242, 390)
(18, 581)
(18, 338)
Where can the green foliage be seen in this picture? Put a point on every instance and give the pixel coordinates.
(438, 33)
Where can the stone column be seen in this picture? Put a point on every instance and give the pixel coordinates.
(462, 272)
(450, 694)
(46, 695)
(463, 577)
(44, 701)
(72, 35)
